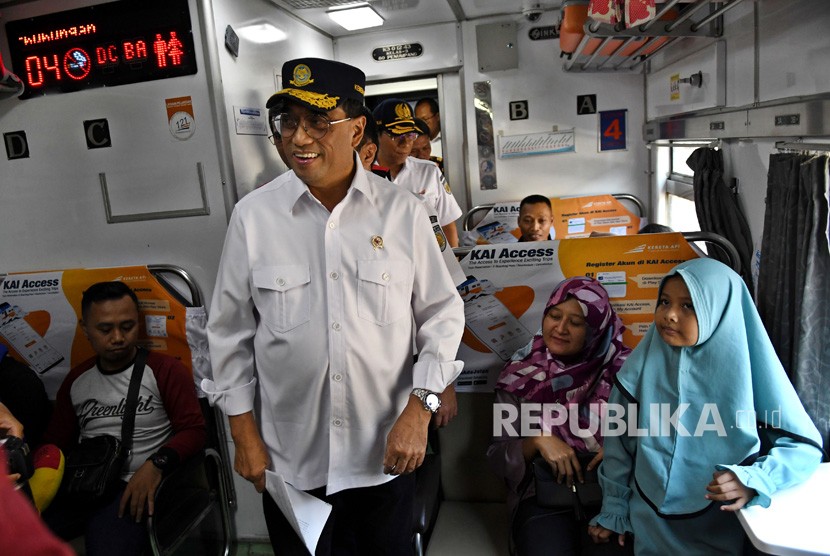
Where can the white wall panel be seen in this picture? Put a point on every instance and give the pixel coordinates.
(248, 80)
(795, 48)
(52, 211)
(663, 100)
(551, 94)
(440, 43)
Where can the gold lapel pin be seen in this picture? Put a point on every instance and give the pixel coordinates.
(377, 242)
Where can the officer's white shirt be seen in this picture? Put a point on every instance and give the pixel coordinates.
(424, 178)
(436, 145)
(321, 309)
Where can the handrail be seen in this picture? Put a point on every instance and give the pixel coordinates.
(196, 297)
(720, 241)
(710, 237)
(641, 208)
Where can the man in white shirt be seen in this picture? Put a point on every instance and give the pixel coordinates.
(327, 275)
(427, 110)
(397, 133)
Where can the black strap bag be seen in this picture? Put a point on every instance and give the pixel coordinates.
(552, 494)
(93, 466)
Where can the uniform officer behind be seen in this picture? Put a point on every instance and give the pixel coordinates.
(397, 133)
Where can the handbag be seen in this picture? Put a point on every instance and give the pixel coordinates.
(93, 467)
(550, 493)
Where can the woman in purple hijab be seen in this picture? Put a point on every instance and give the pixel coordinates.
(569, 366)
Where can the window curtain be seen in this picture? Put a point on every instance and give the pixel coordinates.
(793, 284)
(718, 210)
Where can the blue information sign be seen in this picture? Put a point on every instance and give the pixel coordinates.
(612, 130)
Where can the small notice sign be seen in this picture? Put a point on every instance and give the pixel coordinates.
(536, 143)
(612, 130)
(543, 33)
(397, 51)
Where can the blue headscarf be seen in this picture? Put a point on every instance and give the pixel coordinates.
(731, 373)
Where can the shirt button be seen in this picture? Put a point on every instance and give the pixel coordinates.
(385, 276)
(334, 276)
(332, 225)
(336, 326)
(338, 377)
(337, 422)
(280, 282)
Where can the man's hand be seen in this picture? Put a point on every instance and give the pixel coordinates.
(9, 426)
(448, 409)
(141, 491)
(251, 459)
(406, 443)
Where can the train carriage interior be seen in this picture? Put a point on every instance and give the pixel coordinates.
(131, 130)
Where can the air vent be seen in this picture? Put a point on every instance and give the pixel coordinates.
(306, 4)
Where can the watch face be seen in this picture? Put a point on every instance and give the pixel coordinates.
(160, 461)
(433, 402)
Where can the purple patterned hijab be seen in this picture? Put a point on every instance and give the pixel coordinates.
(536, 375)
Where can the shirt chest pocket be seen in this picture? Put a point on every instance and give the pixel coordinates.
(282, 295)
(384, 290)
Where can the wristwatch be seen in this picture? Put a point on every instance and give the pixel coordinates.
(430, 399)
(161, 461)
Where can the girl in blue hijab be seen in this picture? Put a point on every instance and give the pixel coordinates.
(712, 423)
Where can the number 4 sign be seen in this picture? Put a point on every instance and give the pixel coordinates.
(612, 130)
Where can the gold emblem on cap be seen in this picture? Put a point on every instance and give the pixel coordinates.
(377, 242)
(402, 111)
(302, 76)
(315, 99)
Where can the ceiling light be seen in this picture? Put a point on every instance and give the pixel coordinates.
(262, 33)
(356, 17)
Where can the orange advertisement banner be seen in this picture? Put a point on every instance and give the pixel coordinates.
(508, 286)
(581, 216)
(573, 217)
(40, 315)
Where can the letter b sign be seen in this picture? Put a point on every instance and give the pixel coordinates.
(519, 110)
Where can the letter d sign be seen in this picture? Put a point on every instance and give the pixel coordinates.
(16, 145)
(518, 110)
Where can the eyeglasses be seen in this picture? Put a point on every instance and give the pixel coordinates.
(315, 125)
(403, 137)
(428, 118)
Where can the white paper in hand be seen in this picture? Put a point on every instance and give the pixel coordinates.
(306, 514)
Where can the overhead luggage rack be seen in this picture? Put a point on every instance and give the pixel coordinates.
(612, 48)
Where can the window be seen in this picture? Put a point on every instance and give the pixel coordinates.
(680, 197)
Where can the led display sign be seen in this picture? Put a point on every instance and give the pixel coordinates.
(100, 46)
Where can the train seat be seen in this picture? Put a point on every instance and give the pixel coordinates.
(472, 518)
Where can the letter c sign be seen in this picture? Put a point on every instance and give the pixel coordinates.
(97, 134)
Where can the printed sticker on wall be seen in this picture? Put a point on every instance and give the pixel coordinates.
(674, 87)
(180, 117)
(249, 120)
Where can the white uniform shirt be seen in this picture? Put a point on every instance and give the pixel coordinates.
(436, 145)
(321, 308)
(423, 178)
